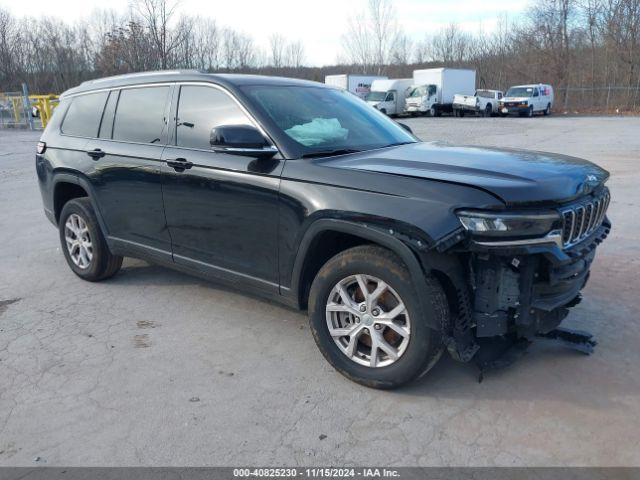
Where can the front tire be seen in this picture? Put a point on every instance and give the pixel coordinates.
(83, 244)
(365, 317)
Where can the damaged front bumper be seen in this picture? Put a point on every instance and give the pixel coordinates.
(508, 293)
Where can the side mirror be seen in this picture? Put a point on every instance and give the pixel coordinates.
(406, 127)
(242, 140)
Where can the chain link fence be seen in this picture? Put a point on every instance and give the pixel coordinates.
(610, 99)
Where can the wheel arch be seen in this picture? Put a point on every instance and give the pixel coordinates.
(66, 188)
(311, 255)
(68, 185)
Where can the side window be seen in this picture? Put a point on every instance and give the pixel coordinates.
(499, 95)
(140, 115)
(535, 92)
(390, 97)
(106, 126)
(84, 114)
(202, 108)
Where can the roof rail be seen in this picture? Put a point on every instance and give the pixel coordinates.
(139, 74)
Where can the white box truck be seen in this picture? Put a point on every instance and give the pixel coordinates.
(433, 89)
(389, 96)
(359, 85)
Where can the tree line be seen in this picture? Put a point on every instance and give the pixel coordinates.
(589, 50)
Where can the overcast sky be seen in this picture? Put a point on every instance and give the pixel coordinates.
(318, 23)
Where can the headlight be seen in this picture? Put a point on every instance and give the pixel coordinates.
(512, 224)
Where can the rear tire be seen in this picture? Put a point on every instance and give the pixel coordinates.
(547, 111)
(416, 350)
(83, 243)
(488, 110)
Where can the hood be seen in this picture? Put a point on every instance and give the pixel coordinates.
(515, 176)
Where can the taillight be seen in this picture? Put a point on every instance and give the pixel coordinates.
(42, 146)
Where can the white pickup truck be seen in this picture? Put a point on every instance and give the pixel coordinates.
(483, 102)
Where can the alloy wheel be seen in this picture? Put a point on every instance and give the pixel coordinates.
(78, 240)
(368, 321)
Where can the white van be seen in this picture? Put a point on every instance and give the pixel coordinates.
(389, 96)
(527, 100)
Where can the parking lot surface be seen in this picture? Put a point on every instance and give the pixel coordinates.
(158, 368)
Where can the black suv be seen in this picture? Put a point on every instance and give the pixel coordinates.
(302, 193)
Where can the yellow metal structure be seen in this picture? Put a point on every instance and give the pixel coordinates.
(45, 105)
(15, 112)
(16, 106)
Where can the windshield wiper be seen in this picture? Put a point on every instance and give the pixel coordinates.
(330, 153)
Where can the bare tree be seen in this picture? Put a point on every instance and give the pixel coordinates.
(550, 32)
(402, 50)
(372, 38)
(295, 55)
(277, 49)
(450, 45)
(157, 15)
(588, 49)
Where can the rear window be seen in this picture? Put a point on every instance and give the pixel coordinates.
(84, 114)
(484, 93)
(140, 115)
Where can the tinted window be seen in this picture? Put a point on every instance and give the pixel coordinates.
(140, 116)
(106, 126)
(83, 116)
(202, 108)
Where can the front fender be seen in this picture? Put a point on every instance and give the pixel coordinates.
(399, 240)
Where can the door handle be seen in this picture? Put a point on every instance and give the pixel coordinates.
(180, 164)
(96, 153)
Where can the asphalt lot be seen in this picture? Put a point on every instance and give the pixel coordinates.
(157, 368)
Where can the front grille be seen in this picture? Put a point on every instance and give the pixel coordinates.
(582, 219)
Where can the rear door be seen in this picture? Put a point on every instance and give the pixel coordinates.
(126, 178)
(222, 210)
